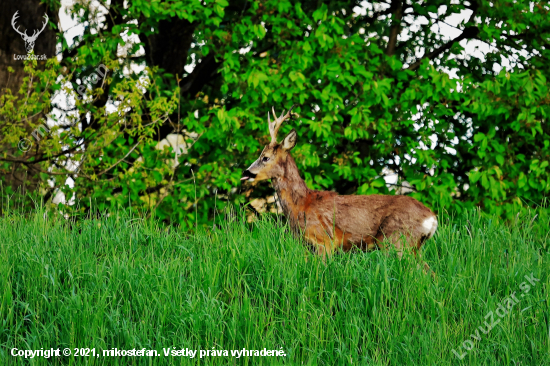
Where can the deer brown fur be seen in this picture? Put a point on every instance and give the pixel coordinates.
(329, 221)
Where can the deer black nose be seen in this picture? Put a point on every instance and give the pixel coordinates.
(248, 175)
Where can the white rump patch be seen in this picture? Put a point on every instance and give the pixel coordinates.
(430, 225)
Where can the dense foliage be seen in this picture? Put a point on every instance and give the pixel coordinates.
(373, 90)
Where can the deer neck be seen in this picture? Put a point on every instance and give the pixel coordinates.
(291, 190)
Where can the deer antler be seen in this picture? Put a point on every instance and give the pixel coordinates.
(276, 124)
(35, 34)
(13, 19)
(25, 35)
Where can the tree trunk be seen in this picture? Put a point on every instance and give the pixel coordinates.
(30, 18)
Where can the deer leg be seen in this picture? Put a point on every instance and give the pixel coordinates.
(322, 243)
(381, 236)
(316, 247)
(426, 267)
(325, 248)
(400, 241)
(322, 252)
(397, 240)
(394, 239)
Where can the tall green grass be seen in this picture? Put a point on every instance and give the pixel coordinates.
(128, 283)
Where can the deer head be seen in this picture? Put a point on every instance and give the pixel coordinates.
(29, 40)
(270, 164)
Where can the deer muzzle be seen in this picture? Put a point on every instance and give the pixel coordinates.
(248, 175)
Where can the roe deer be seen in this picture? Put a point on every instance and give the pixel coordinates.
(329, 221)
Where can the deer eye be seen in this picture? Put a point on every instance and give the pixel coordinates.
(265, 159)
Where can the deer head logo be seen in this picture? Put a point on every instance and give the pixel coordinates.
(29, 40)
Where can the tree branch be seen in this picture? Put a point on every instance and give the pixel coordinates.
(370, 20)
(469, 32)
(397, 7)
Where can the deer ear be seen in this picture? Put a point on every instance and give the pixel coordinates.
(290, 140)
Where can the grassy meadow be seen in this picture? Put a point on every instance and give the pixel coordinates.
(129, 283)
